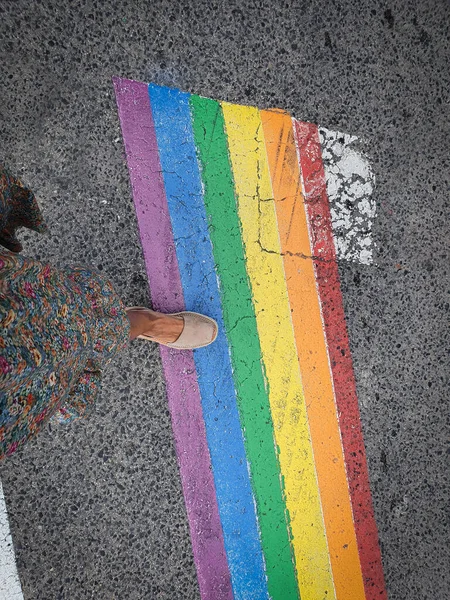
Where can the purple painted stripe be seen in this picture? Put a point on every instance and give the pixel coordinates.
(179, 368)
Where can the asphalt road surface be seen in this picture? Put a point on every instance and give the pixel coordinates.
(96, 509)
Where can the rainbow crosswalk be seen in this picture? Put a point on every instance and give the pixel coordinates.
(234, 221)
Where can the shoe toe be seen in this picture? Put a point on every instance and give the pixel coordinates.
(199, 331)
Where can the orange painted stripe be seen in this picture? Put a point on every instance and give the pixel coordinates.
(313, 355)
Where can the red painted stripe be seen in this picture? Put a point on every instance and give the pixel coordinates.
(327, 277)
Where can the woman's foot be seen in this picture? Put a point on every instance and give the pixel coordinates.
(184, 331)
(162, 328)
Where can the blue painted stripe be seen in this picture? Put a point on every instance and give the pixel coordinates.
(182, 180)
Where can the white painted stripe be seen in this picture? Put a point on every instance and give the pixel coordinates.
(10, 588)
(350, 182)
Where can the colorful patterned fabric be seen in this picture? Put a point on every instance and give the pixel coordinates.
(58, 329)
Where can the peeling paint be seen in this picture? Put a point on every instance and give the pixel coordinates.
(350, 183)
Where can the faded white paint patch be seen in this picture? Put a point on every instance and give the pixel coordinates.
(350, 183)
(10, 588)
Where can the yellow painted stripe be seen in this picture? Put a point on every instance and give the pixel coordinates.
(312, 354)
(265, 270)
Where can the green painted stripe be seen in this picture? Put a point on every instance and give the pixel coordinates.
(240, 325)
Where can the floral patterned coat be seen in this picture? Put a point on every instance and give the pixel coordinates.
(58, 329)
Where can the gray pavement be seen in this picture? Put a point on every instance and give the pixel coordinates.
(96, 509)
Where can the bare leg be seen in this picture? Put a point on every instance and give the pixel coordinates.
(162, 327)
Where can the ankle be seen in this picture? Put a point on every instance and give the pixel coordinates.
(140, 322)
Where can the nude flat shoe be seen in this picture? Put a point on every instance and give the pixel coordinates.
(199, 331)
